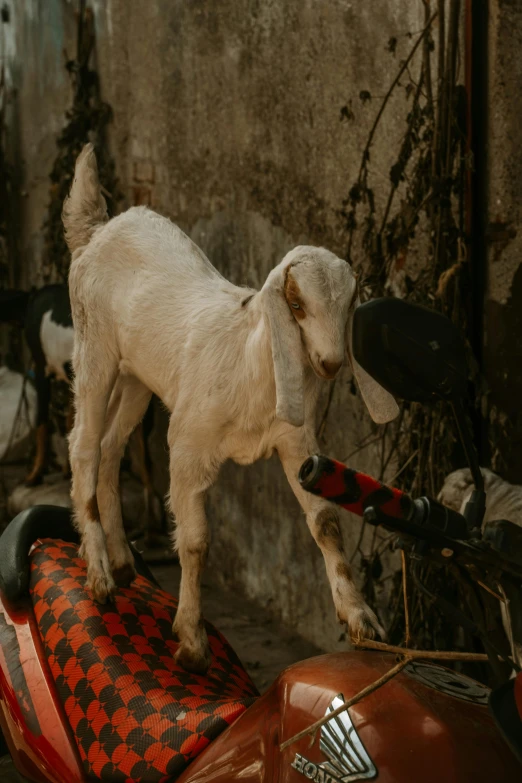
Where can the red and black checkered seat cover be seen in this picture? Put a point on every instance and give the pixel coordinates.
(136, 715)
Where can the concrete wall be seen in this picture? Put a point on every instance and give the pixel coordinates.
(503, 313)
(37, 38)
(227, 119)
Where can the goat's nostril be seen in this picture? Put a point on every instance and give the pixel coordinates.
(331, 368)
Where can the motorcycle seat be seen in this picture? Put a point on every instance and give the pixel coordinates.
(17, 538)
(135, 714)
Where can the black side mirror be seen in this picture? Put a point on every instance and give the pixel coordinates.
(419, 355)
(415, 353)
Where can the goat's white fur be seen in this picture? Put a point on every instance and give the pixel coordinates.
(503, 500)
(57, 344)
(152, 314)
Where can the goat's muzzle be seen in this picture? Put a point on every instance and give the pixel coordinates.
(326, 369)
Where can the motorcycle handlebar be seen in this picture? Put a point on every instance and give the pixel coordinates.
(352, 490)
(365, 496)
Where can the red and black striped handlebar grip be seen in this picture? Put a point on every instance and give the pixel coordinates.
(353, 490)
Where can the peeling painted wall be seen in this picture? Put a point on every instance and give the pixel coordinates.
(227, 119)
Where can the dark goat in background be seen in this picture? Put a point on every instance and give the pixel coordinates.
(45, 317)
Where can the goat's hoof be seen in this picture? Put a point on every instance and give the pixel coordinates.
(123, 575)
(363, 624)
(102, 588)
(195, 661)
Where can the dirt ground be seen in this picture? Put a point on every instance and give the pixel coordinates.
(264, 647)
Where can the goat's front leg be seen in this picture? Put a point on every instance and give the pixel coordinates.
(323, 521)
(188, 482)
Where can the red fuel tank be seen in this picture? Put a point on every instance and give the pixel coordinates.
(428, 724)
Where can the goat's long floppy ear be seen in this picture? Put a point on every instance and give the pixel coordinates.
(380, 403)
(286, 352)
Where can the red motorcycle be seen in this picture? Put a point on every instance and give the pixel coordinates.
(90, 692)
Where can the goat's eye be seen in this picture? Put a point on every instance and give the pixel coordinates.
(296, 305)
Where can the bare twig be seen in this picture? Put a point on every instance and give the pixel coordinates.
(451, 66)
(426, 55)
(395, 443)
(363, 445)
(405, 598)
(324, 419)
(359, 541)
(430, 456)
(311, 730)
(509, 625)
(435, 655)
(410, 459)
(383, 543)
(383, 448)
(492, 592)
(440, 103)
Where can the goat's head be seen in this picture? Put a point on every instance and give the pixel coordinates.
(310, 299)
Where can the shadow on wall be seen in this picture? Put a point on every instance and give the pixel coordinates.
(503, 354)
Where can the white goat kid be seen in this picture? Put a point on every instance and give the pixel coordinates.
(503, 500)
(238, 369)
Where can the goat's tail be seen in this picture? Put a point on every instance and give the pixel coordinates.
(84, 209)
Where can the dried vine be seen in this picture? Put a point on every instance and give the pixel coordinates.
(87, 120)
(414, 245)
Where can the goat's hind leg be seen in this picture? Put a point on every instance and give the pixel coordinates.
(127, 405)
(93, 387)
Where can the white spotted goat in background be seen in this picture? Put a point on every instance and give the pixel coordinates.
(503, 501)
